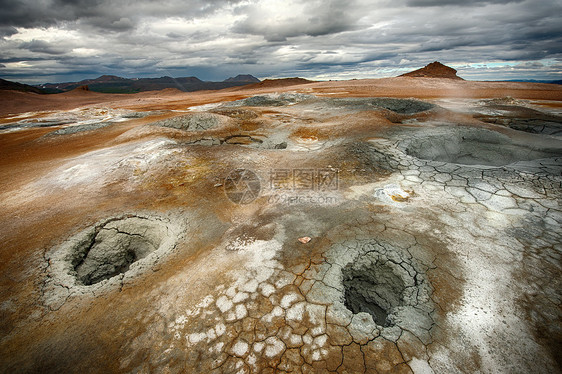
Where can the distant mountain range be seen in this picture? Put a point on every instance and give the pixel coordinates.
(114, 84)
(15, 86)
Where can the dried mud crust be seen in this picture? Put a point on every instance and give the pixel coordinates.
(80, 128)
(270, 100)
(209, 132)
(382, 288)
(360, 298)
(516, 115)
(270, 318)
(76, 120)
(104, 256)
(252, 141)
(234, 111)
(475, 146)
(400, 106)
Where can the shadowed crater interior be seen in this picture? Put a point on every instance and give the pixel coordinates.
(375, 289)
(113, 247)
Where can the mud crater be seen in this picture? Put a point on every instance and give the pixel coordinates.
(114, 247)
(376, 289)
(475, 146)
(380, 287)
(107, 254)
(382, 281)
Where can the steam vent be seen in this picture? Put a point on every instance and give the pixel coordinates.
(397, 225)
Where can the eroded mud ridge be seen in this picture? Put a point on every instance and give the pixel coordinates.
(193, 122)
(401, 106)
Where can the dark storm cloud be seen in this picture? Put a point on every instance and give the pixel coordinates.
(316, 18)
(104, 14)
(42, 46)
(43, 13)
(315, 38)
(7, 31)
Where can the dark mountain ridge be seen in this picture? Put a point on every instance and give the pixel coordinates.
(15, 86)
(115, 84)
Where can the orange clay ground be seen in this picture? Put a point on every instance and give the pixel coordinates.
(159, 232)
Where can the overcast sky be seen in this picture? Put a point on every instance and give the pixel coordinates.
(67, 40)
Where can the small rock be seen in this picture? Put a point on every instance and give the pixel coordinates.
(305, 239)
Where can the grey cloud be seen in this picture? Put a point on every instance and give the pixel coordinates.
(104, 14)
(319, 18)
(174, 35)
(29, 13)
(328, 38)
(109, 23)
(436, 3)
(7, 31)
(45, 13)
(42, 46)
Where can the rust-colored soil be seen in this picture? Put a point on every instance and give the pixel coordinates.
(240, 292)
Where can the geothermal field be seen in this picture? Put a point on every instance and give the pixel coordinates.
(408, 224)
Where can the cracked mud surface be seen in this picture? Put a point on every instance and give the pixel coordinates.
(473, 146)
(107, 255)
(438, 250)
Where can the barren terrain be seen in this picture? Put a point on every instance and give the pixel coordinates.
(391, 225)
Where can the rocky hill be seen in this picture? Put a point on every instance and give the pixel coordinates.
(434, 70)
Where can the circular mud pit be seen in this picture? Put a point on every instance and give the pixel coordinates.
(380, 287)
(374, 288)
(475, 146)
(113, 247)
(107, 253)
